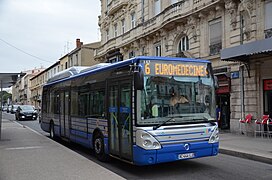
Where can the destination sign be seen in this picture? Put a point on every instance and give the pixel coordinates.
(161, 68)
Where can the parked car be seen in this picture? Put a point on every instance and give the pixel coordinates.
(13, 109)
(25, 112)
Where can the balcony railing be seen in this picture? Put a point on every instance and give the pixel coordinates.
(174, 9)
(115, 5)
(268, 33)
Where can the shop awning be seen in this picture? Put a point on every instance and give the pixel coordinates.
(8, 79)
(241, 52)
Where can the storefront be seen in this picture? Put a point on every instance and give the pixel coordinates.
(251, 81)
(223, 96)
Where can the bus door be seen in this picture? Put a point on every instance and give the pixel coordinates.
(64, 114)
(120, 121)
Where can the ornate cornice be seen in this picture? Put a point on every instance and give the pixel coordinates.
(231, 8)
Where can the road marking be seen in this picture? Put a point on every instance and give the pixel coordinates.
(23, 148)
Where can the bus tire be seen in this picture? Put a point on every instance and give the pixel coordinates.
(99, 150)
(51, 130)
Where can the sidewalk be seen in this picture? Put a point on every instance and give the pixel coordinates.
(257, 149)
(25, 154)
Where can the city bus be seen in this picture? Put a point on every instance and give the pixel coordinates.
(144, 110)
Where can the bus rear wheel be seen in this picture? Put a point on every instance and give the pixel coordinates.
(98, 145)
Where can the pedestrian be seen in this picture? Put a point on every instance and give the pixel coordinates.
(218, 115)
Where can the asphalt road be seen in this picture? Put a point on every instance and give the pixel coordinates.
(219, 167)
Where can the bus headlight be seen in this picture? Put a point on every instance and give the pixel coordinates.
(215, 136)
(146, 140)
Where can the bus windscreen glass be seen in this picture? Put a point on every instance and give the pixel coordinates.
(182, 91)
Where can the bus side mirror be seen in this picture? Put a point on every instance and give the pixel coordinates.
(139, 80)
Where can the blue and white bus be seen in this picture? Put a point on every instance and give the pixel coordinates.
(144, 110)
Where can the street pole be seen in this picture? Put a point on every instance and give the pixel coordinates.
(1, 108)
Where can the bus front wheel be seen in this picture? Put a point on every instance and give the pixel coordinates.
(99, 148)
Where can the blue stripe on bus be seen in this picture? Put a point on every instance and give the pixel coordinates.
(87, 142)
(83, 141)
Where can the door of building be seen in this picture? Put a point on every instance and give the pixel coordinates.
(223, 101)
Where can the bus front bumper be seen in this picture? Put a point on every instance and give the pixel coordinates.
(174, 152)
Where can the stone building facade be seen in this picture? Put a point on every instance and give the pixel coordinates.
(198, 29)
(21, 93)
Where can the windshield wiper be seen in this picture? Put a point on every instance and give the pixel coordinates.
(205, 119)
(163, 123)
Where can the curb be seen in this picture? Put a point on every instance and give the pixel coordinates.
(246, 155)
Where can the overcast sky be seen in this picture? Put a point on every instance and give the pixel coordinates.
(35, 33)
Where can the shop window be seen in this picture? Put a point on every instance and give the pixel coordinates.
(267, 87)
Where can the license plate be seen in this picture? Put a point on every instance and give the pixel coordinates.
(186, 156)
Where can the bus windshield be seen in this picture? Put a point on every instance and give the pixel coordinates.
(176, 99)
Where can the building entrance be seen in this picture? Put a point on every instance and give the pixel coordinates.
(223, 101)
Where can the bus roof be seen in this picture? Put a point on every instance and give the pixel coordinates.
(96, 68)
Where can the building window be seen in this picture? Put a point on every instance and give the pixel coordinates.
(123, 30)
(268, 22)
(76, 60)
(115, 30)
(157, 6)
(215, 34)
(131, 54)
(107, 35)
(133, 21)
(183, 44)
(157, 50)
(71, 62)
(174, 1)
